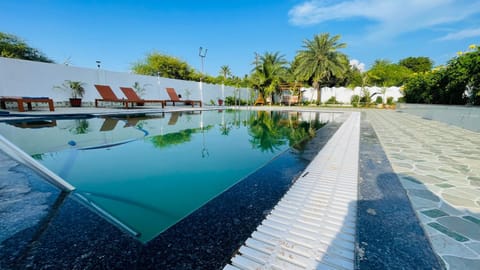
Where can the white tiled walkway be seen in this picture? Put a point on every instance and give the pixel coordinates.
(313, 226)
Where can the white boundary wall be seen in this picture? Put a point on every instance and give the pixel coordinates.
(29, 78)
(344, 94)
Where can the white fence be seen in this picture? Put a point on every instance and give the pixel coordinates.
(344, 95)
(28, 78)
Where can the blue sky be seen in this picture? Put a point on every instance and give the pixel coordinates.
(119, 33)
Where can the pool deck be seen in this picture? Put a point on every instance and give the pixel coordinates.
(439, 167)
(394, 171)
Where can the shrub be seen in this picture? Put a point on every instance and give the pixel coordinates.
(332, 100)
(229, 101)
(389, 100)
(366, 99)
(354, 100)
(379, 100)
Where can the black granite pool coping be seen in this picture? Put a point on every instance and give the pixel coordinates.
(389, 234)
(71, 236)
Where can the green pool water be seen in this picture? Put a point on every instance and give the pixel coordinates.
(150, 171)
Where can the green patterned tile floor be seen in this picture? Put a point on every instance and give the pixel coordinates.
(438, 165)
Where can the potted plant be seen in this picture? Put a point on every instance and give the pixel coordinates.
(187, 95)
(77, 90)
(140, 90)
(220, 102)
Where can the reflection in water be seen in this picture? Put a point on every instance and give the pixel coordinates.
(175, 138)
(265, 134)
(33, 123)
(80, 126)
(268, 130)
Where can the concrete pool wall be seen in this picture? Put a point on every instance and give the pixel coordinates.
(467, 117)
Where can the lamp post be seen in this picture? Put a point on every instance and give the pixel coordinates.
(98, 70)
(202, 53)
(260, 95)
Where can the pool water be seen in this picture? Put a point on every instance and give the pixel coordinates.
(150, 171)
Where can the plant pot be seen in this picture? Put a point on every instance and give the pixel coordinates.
(76, 102)
(220, 102)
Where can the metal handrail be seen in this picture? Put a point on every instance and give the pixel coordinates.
(112, 219)
(16, 153)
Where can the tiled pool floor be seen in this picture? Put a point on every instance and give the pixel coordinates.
(439, 166)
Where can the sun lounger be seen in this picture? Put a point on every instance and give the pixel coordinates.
(132, 95)
(109, 96)
(174, 98)
(28, 100)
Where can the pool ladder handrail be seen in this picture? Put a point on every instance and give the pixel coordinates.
(19, 155)
(106, 215)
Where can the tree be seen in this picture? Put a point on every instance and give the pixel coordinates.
(13, 47)
(456, 83)
(353, 77)
(385, 73)
(269, 72)
(417, 64)
(167, 66)
(320, 61)
(418, 89)
(463, 74)
(225, 72)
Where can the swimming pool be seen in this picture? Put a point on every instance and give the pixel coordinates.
(150, 171)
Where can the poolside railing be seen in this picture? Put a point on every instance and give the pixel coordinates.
(16, 153)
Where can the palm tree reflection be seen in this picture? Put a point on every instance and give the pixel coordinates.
(265, 133)
(270, 130)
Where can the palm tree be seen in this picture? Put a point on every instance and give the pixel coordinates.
(320, 60)
(268, 72)
(225, 72)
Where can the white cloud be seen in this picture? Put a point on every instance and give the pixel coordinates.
(357, 64)
(389, 18)
(466, 33)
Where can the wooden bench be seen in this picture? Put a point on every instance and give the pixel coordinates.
(28, 100)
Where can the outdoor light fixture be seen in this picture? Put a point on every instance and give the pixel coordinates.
(202, 53)
(98, 63)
